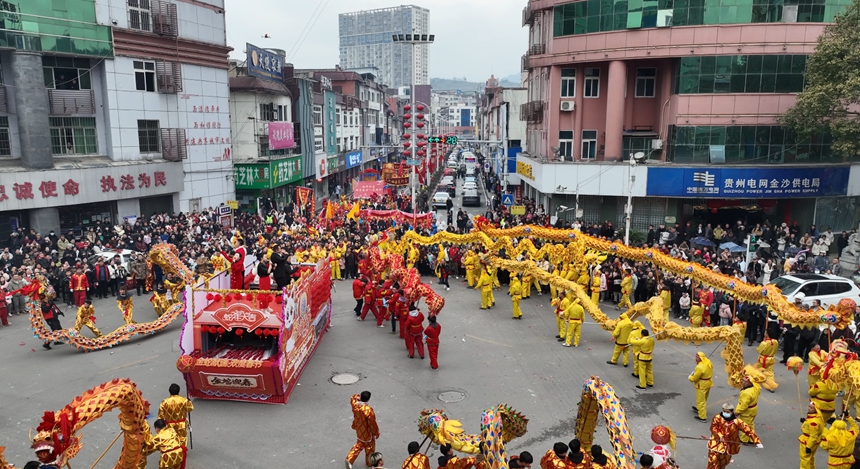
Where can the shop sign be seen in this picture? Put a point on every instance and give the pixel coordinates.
(320, 166)
(710, 182)
(247, 382)
(525, 169)
(264, 64)
(286, 171)
(233, 204)
(20, 190)
(353, 159)
(239, 315)
(518, 210)
(253, 176)
(331, 164)
(281, 135)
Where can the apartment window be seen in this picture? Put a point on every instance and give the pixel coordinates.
(317, 115)
(338, 116)
(140, 15)
(568, 82)
(592, 83)
(148, 136)
(565, 145)
(144, 75)
(73, 135)
(589, 144)
(318, 145)
(646, 80)
(66, 73)
(5, 147)
(339, 144)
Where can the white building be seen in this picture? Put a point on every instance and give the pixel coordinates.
(365, 41)
(127, 116)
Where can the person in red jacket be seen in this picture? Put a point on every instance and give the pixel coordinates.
(358, 286)
(432, 333)
(369, 301)
(383, 295)
(414, 331)
(401, 308)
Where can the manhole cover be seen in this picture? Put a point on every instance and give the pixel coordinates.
(452, 396)
(344, 379)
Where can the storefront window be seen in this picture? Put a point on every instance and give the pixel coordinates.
(749, 144)
(740, 74)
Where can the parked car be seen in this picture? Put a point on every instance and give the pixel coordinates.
(471, 179)
(440, 199)
(828, 289)
(471, 197)
(451, 189)
(447, 180)
(108, 254)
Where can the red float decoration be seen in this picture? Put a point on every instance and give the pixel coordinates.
(217, 297)
(421, 136)
(209, 296)
(221, 330)
(258, 332)
(279, 299)
(239, 332)
(421, 144)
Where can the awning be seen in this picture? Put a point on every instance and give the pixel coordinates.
(367, 189)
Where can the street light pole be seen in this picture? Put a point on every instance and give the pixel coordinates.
(629, 207)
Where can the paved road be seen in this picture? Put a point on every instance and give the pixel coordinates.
(484, 355)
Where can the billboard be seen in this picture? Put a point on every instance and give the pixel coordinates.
(264, 64)
(748, 183)
(281, 135)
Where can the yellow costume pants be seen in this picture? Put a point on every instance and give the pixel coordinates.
(171, 459)
(748, 417)
(553, 291)
(492, 298)
(485, 297)
(369, 448)
(666, 314)
(812, 379)
(622, 350)
(335, 270)
(625, 299)
(470, 276)
(574, 330)
(807, 461)
(595, 296)
(702, 402)
(127, 315)
(646, 373)
(515, 300)
(89, 324)
(836, 462)
(527, 288)
(562, 325)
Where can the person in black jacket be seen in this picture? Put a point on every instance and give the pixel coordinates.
(281, 272)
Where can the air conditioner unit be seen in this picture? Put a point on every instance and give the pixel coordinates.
(568, 106)
(656, 144)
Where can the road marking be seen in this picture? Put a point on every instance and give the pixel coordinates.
(130, 364)
(489, 341)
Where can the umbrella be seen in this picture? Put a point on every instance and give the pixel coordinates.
(702, 241)
(732, 247)
(792, 250)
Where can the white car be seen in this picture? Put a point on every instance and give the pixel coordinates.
(469, 185)
(440, 199)
(447, 180)
(471, 197)
(108, 254)
(828, 289)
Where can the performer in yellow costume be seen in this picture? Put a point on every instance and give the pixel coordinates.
(553, 291)
(125, 303)
(485, 283)
(622, 340)
(810, 436)
(635, 335)
(174, 411)
(527, 285)
(766, 352)
(470, 261)
(838, 441)
(516, 291)
(86, 317)
(697, 313)
(167, 443)
(666, 296)
(701, 379)
(823, 394)
(494, 273)
(219, 263)
(747, 407)
(626, 287)
(645, 355)
(561, 305)
(575, 315)
(817, 359)
(366, 430)
(595, 285)
(336, 255)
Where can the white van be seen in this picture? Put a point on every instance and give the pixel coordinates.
(828, 289)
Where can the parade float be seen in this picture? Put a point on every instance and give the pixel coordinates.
(251, 345)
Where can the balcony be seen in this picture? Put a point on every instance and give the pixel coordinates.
(532, 112)
(528, 15)
(66, 102)
(537, 49)
(3, 99)
(525, 63)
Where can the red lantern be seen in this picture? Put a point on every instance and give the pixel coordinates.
(239, 332)
(420, 107)
(279, 299)
(406, 144)
(407, 153)
(221, 330)
(406, 136)
(264, 304)
(407, 107)
(420, 152)
(419, 124)
(209, 296)
(228, 298)
(217, 297)
(407, 116)
(421, 136)
(258, 332)
(421, 144)
(420, 116)
(407, 124)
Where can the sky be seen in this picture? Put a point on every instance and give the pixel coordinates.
(474, 38)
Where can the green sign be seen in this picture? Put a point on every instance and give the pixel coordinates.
(332, 164)
(268, 175)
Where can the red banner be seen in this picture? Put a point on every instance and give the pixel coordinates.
(423, 220)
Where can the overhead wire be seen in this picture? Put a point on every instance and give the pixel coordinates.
(299, 46)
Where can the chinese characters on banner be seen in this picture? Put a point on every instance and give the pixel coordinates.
(748, 183)
(51, 188)
(264, 64)
(281, 135)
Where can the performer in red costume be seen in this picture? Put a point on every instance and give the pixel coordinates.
(369, 301)
(414, 331)
(358, 286)
(237, 268)
(432, 333)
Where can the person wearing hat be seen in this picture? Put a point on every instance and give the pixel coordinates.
(635, 335)
(485, 283)
(817, 359)
(575, 314)
(839, 440)
(724, 442)
(823, 394)
(766, 351)
(702, 380)
(516, 291)
(125, 303)
(621, 334)
(811, 429)
(86, 317)
(747, 408)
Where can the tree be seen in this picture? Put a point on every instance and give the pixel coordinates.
(831, 100)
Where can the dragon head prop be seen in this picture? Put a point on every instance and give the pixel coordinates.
(55, 433)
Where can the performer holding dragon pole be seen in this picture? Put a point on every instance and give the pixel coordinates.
(125, 303)
(174, 411)
(86, 317)
(366, 430)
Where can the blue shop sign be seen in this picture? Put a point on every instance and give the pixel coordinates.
(264, 64)
(748, 183)
(353, 159)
